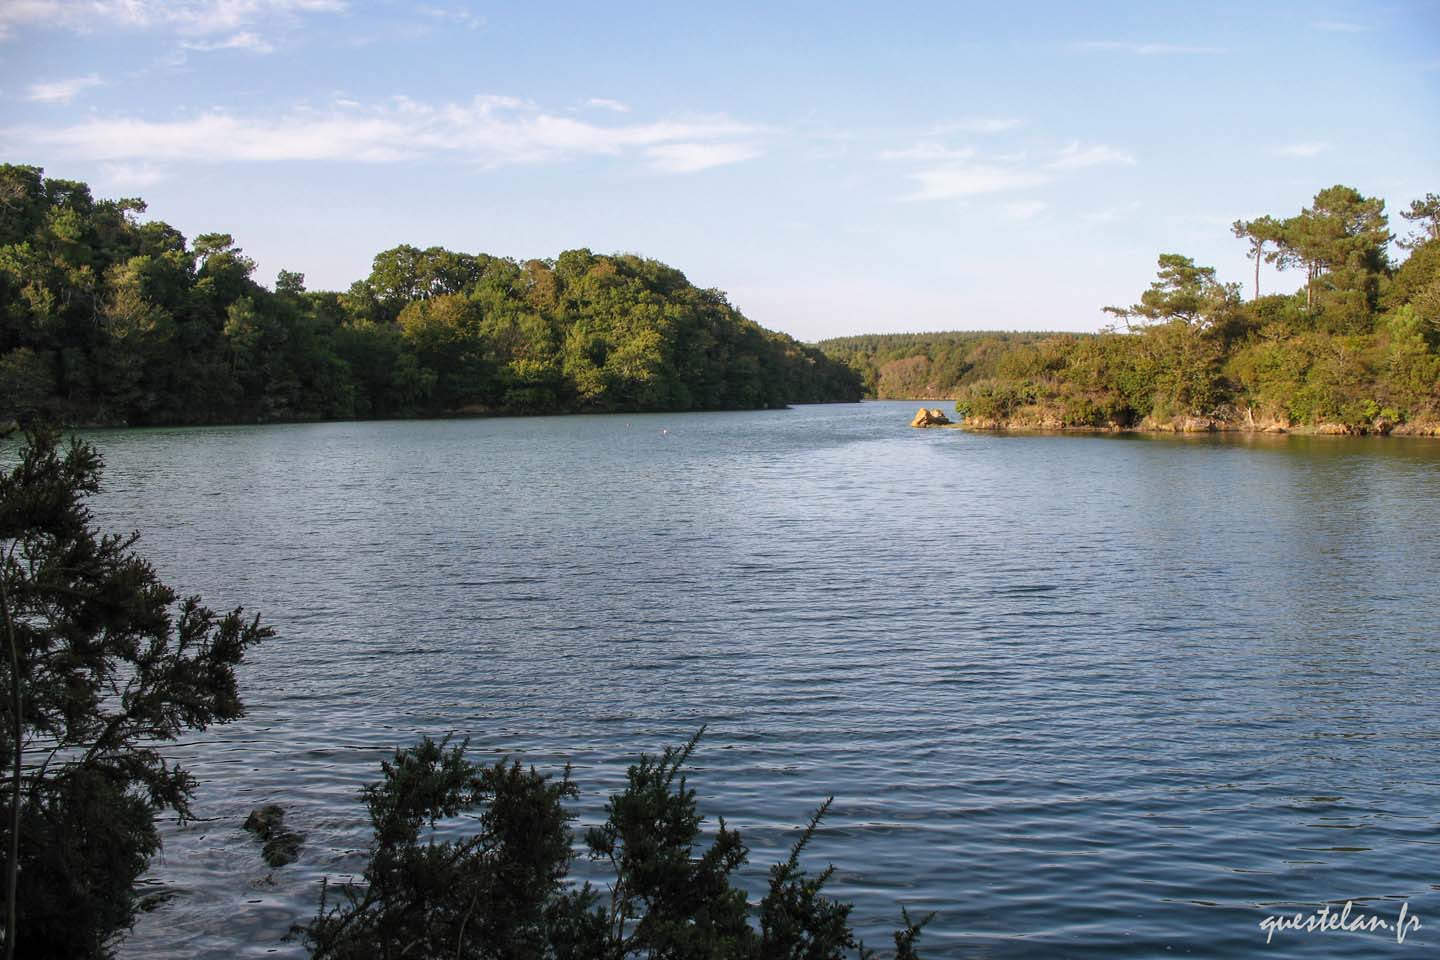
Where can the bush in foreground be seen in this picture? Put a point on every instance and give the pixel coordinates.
(502, 892)
(102, 665)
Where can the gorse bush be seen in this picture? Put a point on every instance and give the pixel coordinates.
(503, 890)
(102, 666)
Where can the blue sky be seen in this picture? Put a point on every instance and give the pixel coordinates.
(836, 168)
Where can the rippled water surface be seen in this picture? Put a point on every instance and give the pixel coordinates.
(1081, 696)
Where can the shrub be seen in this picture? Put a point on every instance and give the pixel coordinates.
(101, 666)
(502, 891)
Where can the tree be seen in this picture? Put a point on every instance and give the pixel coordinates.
(1425, 214)
(102, 666)
(1181, 291)
(1342, 232)
(1259, 232)
(501, 891)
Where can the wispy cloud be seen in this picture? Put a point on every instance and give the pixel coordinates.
(929, 152)
(605, 103)
(459, 16)
(132, 174)
(1146, 49)
(946, 173)
(1024, 209)
(486, 130)
(972, 180)
(1311, 149)
(1075, 157)
(61, 91)
(1111, 214)
(693, 157)
(245, 40)
(977, 124)
(1341, 26)
(191, 17)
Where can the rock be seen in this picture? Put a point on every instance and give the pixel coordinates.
(934, 417)
(265, 820)
(1382, 426)
(281, 846)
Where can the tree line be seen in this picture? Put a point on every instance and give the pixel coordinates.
(925, 366)
(1355, 349)
(106, 318)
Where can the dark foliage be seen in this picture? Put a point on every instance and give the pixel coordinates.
(500, 890)
(103, 665)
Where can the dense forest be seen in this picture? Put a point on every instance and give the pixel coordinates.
(106, 318)
(926, 366)
(1355, 350)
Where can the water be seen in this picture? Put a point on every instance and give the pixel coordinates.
(1081, 696)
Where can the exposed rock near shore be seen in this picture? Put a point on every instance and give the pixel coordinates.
(933, 417)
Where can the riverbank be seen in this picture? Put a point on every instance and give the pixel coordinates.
(1043, 423)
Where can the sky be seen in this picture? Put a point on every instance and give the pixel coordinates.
(836, 168)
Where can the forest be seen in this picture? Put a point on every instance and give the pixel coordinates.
(110, 319)
(926, 366)
(1356, 349)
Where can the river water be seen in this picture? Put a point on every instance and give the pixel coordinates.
(1080, 696)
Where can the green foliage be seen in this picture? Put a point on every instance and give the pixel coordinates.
(1181, 292)
(105, 319)
(102, 667)
(908, 366)
(502, 891)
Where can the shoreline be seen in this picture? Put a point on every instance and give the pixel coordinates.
(1192, 426)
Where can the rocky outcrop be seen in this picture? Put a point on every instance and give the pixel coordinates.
(268, 824)
(1429, 428)
(934, 417)
(1183, 425)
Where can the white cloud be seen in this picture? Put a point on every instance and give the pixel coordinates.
(460, 16)
(930, 152)
(1310, 149)
(605, 103)
(61, 91)
(1147, 49)
(970, 180)
(1341, 26)
(132, 174)
(1111, 214)
(1025, 209)
(489, 130)
(1075, 157)
(692, 157)
(977, 125)
(245, 40)
(192, 17)
(946, 174)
